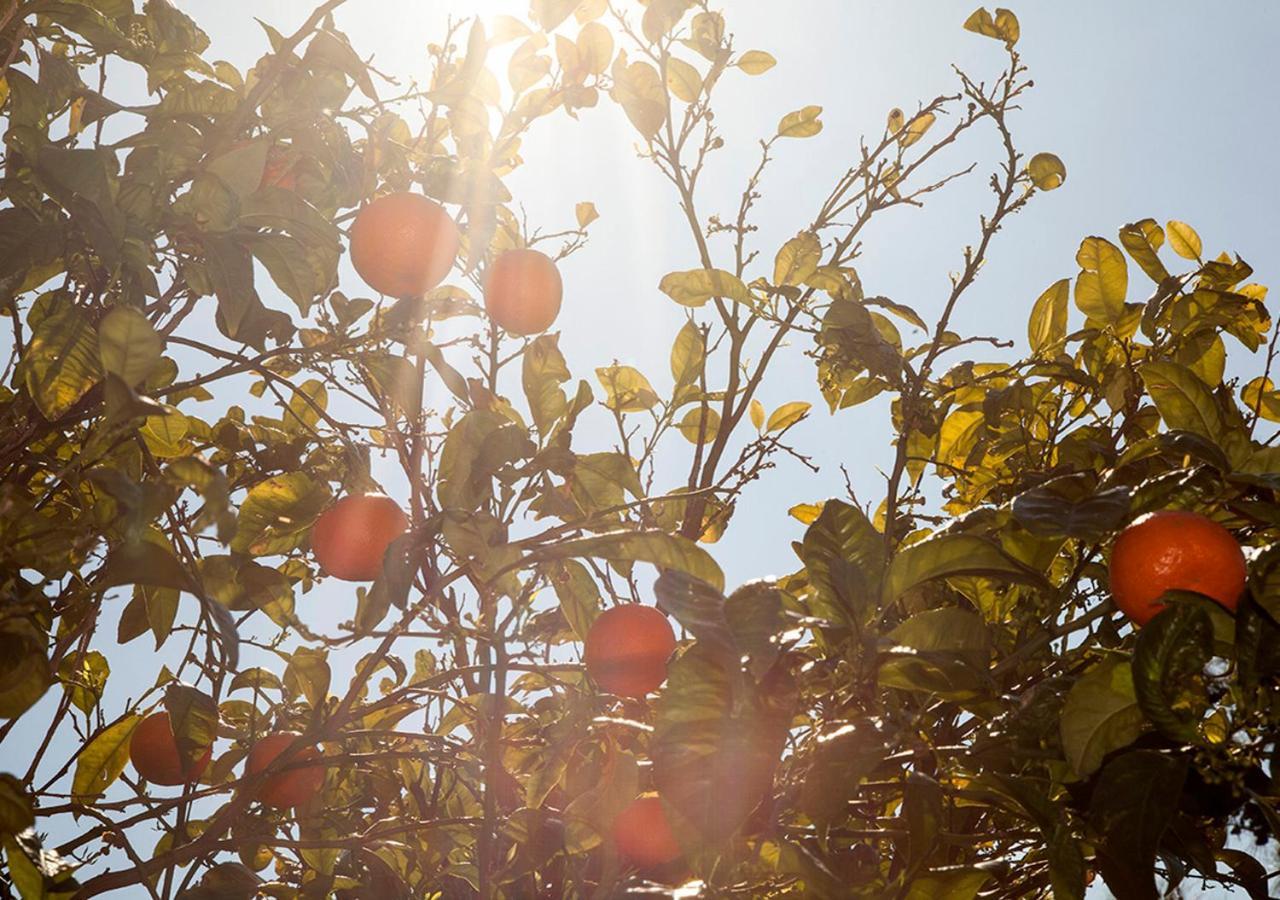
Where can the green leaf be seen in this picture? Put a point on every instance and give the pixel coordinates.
(83, 677)
(307, 674)
(16, 810)
(397, 379)
(128, 346)
(543, 371)
(798, 259)
(1067, 507)
(755, 62)
(699, 608)
(1101, 714)
(1183, 239)
(696, 286)
(754, 613)
(1047, 327)
(103, 758)
(301, 273)
(666, 551)
(1133, 803)
(952, 554)
(1103, 281)
(145, 562)
(713, 751)
(578, 593)
(802, 123)
(193, 719)
(276, 515)
(1047, 171)
(949, 629)
(1143, 240)
(962, 884)
(241, 168)
(61, 362)
(1168, 662)
(843, 554)
(626, 389)
(1185, 402)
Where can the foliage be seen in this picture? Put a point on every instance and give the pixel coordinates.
(939, 701)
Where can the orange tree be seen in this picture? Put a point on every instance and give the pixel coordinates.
(942, 700)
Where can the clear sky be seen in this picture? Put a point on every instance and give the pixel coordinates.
(1162, 109)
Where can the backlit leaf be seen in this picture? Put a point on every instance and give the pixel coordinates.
(128, 346)
(802, 123)
(696, 286)
(798, 259)
(1183, 239)
(755, 62)
(1047, 327)
(1103, 281)
(951, 554)
(626, 389)
(692, 427)
(100, 762)
(787, 415)
(683, 80)
(916, 130)
(1185, 402)
(1101, 714)
(61, 362)
(1143, 240)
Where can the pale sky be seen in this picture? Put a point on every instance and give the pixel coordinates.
(1161, 109)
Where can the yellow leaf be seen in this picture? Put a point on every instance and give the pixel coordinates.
(638, 89)
(101, 761)
(696, 286)
(802, 123)
(1003, 27)
(691, 425)
(1047, 171)
(1261, 396)
(755, 62)
(798, 259)
(1183, 239)
(586, 213)
(77, 113)
(787, 415)
(595, 47)
(896, 120)
(1103, 281)
(688, 354)
(626, 389)
(807, 513)
(757, 414)
(1048, 324)
(683, 80)
(508, 28)
(590, 10)
(916, 130)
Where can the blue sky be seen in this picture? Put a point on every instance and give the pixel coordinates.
(1158, 109)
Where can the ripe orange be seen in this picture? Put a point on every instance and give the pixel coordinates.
(1174, 550)
(351, 537)
(279, 170)
(643, 835)
(153, 750)
(291, 786)
(403, 244)
(522, 291)
(627, 649)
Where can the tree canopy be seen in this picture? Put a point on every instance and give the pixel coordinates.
(941, 700)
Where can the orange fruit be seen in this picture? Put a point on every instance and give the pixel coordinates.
(522, 291)
(643, 835)
(627, 649)
(279, 170)
(153, 750)
(403, 244)
(1174, 550)
(289, 787)
(351, 537)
